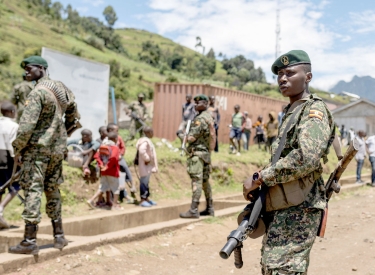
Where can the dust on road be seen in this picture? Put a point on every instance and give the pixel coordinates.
(348, 248)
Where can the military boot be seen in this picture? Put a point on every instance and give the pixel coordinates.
(28, 245)
(192, 213)
(58, 233)
(209, 211)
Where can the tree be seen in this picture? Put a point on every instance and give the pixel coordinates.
(110, 16)
(211, 54)
(151, 53)
(56, 10)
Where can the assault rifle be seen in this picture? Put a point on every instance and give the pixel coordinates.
(134, 116)
(187, 130)
(251, 225)
(333, 185)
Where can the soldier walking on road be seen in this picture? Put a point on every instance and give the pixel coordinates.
(19, 95)
(138, 114)
(201, 141)
(41, 143)
(296, 195)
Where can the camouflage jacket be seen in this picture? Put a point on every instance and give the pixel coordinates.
(41, 126)
(308, 140)
(200, 131)
(139, 109)
(19, 95)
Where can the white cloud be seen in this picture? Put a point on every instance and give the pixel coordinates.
(94, 3)
(363, 21)
(248, 27)
(82, 10)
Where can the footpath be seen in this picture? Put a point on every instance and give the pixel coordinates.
(142, 241)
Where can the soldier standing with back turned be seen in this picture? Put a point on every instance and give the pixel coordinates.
(138, 114)
(295, 198)
(201, 141)
(41, 143)
(19, 95)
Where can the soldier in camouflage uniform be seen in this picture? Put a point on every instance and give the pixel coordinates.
(199, 157)
(41, 142)
(138, 113)
(294, 216)
(19, 95)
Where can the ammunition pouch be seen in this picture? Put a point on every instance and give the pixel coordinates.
(285, 195)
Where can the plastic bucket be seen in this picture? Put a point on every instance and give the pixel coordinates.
(75, 158)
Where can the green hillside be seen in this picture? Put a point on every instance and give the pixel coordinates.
(137, 58)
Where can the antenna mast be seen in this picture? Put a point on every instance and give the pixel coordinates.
(277, 31)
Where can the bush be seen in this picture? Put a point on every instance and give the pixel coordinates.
(95, 42)
(76, 51)
(32, 51)
(126, 73)
(171, 78)
(4, 57)
(57, 30)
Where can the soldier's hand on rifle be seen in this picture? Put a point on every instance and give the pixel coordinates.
(250, 185)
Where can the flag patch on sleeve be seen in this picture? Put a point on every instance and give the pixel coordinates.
(316, 113)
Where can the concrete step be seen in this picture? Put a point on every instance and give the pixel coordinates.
(352, 179)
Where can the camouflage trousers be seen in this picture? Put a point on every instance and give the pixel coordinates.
(41, 173)
(288, 241)
(134, 126)
(199, 172)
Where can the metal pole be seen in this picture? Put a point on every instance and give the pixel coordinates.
(113, 104)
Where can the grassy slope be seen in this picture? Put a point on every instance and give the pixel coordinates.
(21, 31)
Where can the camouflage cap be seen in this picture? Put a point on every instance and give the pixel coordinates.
(141, 95)
(201, 97)
(34, 60)
(291, 58)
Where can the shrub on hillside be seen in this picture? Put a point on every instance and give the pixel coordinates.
(76, 51)
(95, 42)
(32, 51)
(4, 57)
(126, 73)
(171, 78)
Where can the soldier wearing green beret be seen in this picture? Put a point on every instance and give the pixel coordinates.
(295, 198)
(19, 95)
(201, 141)
(40, 147)
(138, 113)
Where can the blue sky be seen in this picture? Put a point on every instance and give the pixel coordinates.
(338, 35)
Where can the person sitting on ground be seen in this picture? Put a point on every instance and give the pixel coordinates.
(108, 159)
(112, 127)
(8, 133)
(272, 127)
(89, 148)
(235, 134)
(103, 134)
(147, 164)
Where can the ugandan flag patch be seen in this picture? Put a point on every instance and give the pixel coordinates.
(316, 113)
(197, 123)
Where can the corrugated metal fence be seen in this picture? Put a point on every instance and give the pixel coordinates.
(169, 97)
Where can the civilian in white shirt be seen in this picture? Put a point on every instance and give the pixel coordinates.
(370, 142)
(8, 132)
(361, 154)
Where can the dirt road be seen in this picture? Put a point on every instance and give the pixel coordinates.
(348, 248)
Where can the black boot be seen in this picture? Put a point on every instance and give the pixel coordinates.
(58, 233)
(192, 213)
(209, 209)
(28, 245)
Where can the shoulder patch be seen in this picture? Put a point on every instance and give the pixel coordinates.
(316, 113)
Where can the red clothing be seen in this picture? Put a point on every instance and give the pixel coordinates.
(113, 167)
(121, 145)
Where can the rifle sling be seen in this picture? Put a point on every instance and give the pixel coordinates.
(281, 146)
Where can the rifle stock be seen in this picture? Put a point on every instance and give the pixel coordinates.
(333, 184)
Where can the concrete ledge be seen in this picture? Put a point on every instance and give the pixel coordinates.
(11, 262)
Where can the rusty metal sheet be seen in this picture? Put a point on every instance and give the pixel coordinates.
(169, 97)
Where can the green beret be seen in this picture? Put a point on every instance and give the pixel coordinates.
(201, 97)
(34, 60)
(291, 58)
(141, 95)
